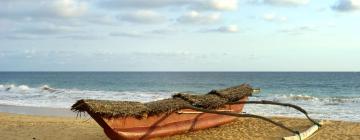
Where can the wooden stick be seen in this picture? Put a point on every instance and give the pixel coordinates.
(281, 104)
(242, 115)
(198, 112)
(305, 134)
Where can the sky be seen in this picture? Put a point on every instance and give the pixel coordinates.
(179, 35)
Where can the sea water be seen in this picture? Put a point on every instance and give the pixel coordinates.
(325, 95)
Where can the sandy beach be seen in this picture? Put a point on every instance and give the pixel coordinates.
(15, 126)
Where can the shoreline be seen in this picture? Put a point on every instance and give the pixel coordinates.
(37, 111)
(20, 126)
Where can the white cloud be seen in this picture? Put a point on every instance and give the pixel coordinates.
(102, 19)
(282, 2)
(270, 16)
(223, 4)
(70, 8)
(229, 29)
(42, 8)
(169, 30)
(36, 30)
(44, 29)
(346, 5)
(20, 37)
(81, 37)
(274, 17)
(120, 4)
(224, 29)
(143, 17)
(194, 17)
(75, 19)
(131, 34)
(299, 29)
(197, 4)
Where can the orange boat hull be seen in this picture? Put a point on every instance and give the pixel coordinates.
(178, 122)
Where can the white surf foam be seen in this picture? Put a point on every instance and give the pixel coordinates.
(63, 98)
(338, 108)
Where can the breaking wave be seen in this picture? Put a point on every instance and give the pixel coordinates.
(322, 107)
(336, 108)
(308, 98)
(46, 96)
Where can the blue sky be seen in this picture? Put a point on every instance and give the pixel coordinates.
(179, 35)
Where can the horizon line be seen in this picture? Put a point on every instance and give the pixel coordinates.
(180, 71)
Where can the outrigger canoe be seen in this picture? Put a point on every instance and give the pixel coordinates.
(182, 113)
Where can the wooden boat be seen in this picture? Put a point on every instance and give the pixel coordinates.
(180, 114)
(169, 122)
(178, 122)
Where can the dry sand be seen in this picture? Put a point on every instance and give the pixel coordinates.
(26, 127)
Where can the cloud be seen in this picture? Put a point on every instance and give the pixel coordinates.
(299, 29)
(168, 30)
(120, 4)
(103, 20)
(45, 29)
(132, 34)
(224, 4)
(72, 19)
(70, 8)
(143, 17)
(42, 8)
(346, 5)
(224, 29)
(194, 17)
(81, 37)
(20, 37)
(220, 5)
(198, 4)
(228, 29)
(282, 2)
(274, 17)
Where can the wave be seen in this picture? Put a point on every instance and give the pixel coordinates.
(46, 96)
(327, 100)
(19, 92)
(337, 108)
(302, 97)
(25, 88)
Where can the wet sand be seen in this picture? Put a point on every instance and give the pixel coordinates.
(21, 127)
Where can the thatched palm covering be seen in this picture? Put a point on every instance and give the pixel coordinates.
(212, 100)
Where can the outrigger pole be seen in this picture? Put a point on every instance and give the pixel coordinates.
(297, 136)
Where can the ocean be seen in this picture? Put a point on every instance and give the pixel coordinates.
(325, 95)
